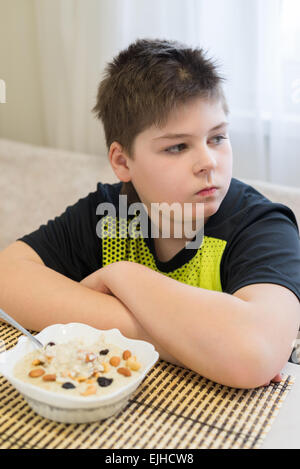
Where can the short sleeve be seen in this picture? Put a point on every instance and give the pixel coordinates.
(265, 250)
(69, 244)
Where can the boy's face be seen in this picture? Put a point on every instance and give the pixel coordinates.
(176, 169)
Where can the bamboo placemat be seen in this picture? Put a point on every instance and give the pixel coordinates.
(172, 408)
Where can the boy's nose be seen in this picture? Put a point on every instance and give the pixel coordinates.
(205, 161)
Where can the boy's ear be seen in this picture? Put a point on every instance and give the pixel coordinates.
(119, 162)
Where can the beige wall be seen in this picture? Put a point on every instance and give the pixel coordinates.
(20, 117)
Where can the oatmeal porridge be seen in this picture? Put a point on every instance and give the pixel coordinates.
(77, 369)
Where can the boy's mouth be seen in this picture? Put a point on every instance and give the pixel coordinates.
(207, 191)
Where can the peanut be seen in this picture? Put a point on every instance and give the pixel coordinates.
(37, 362)
(36, 373)
(91, 389)
(126, 354)
(124, 371)
(115, 361)
(49, 377)
(133, 364)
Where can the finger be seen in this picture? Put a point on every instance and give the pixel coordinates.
(267, 384)
(277, 378)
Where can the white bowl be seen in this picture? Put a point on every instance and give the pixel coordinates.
(77, 409)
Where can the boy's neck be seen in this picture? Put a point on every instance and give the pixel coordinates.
(167, 248)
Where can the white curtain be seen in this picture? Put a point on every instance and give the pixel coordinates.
(255, 42)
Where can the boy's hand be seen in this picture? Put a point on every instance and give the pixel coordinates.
(96, 281)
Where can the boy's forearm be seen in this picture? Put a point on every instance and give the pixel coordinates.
(37, 297)
(210, 332)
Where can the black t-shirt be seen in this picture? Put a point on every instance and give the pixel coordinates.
(249, 240)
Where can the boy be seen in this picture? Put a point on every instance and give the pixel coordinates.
(228, 309)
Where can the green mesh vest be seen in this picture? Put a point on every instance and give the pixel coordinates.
(203, 270)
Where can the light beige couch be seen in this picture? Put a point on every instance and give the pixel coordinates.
(37, 184)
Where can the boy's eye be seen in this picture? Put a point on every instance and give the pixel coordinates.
(217, 140)
(174, 148)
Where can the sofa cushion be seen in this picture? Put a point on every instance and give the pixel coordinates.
(38, 183)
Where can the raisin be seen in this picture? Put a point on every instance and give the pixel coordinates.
(103, 382)
(68, 385)
(104, 352)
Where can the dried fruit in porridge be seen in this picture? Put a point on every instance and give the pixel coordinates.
(115, 361)
(37, 362)
(49, 377)
(126, 354)
(88, 369)
(133, 364)
(103, 382)
(68, 385)
(36, 373)
(124, 371)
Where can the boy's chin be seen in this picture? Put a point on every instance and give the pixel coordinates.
(211, 210)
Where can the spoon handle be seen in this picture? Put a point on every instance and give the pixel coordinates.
(18, 326)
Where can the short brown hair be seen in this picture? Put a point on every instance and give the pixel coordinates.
(145, 82)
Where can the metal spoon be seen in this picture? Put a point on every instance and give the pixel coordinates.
(15, 324)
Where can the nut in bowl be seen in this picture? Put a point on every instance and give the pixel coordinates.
(81, 375)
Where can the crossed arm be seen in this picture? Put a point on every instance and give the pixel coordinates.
(241, 340)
